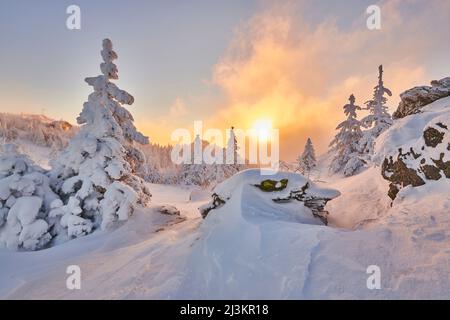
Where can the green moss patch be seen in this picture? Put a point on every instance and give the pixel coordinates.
(272, 185)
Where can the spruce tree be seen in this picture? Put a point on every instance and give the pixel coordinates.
(307, 161)
(95, 175)
(379, 118)
(345, 144)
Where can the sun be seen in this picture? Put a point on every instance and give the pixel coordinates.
(262, 129)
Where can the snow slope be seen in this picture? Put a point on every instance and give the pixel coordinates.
(363, 200)
(246, 253)
(239, 253)
(139, 259)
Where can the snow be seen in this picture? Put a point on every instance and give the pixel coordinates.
(250, 250)
(252, 177)
(262, 203)
(22, 226)
(363, 200)
(407, 131)
(253, 249)
(148, 245)
(24, 191)
(249, 247)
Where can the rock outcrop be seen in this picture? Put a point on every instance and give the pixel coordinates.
(282, 188)
(413, 100)
(428, 159)
(168, 210)
(315, 202)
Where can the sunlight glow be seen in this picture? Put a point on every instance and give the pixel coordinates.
(262, 129)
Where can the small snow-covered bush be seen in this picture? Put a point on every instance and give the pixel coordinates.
(25, 199)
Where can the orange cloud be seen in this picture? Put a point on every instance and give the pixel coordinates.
(300, 76)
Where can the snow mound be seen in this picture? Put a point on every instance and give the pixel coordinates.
(285, 195)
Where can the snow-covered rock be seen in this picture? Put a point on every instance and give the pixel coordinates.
(168, 209)
(413, 100)
(417, 148)
(291, 195)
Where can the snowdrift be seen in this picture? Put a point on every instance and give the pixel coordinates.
(290, 195)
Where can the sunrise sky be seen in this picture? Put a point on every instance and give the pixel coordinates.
(224, 62)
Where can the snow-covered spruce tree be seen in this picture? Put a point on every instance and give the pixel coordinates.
(203, 174)
(232, 149)
(232, 160)
(345, 144)
(25, 200)
(307, 161)
(158, 166)
(95, 175)
(195, 173)
(379, 118)
(231, 164)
